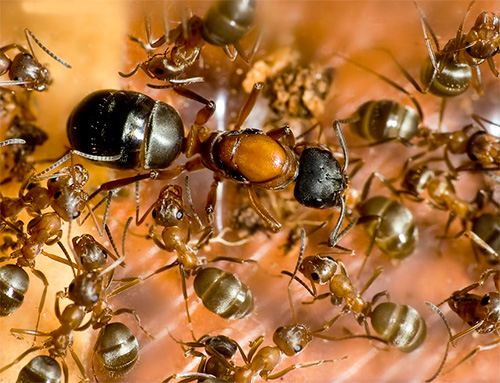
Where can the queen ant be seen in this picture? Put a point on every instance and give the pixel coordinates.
(481, 313)
(320, 180)
(224, 24)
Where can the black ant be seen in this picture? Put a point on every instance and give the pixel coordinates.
(229, 154)
(25, 70)
(481, 313)
(225, 24)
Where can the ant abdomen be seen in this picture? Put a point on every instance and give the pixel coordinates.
(385, 119)
(14, 282)
(394, 230)
(487, 227)
(41, 368)
(223, 293)
(117, 349)
(226, 22)
(453, 80)
(401, 325)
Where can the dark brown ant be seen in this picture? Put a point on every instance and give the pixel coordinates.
(42, 230)
(59, 341)
(225, 24)
(21, 128)
(399, 325)
(320, 180)
(89, 290)
(25, 70)
(221, 292)
(481, 313)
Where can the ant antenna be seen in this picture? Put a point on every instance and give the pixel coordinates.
(58, 59)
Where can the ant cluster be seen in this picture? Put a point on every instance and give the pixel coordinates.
(232, 232)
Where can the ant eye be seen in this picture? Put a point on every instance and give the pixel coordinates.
(76, 214)
(57, 195)
(298, 348)
(315, 276)
(179, 215)
(154, 214)
(485, 300)
(159, 71)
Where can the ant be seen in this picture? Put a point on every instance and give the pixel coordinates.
(89, 291)
(220, 291)
(42, 230)
(58, 341)
(398, 325)
(225, 24)
(226, 153)
(481, 313)
(25, 70)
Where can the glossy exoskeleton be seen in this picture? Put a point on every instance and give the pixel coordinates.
(225, 24)
(40, 369)
(487, 227)
(223, 293)
(320, 179)
(58, 341)
(399, 325)
(25, 70)
(116, 349)
(148, 133)
(449, 71)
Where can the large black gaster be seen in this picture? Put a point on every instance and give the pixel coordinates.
(321, 182)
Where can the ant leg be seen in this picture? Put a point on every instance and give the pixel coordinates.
(212, 199)
(373, 227)
(493, 68)
(186, 301)
(132, 281)
(296, 366)
(476, 349)
(229, 53)
(190, 376)
(248, 105)
(285, 132)
(368, 283)
(331, 322)
(21, 357)
(78, 362)
(136, 317)
(254, 346)
(40, 275)
(261, 210)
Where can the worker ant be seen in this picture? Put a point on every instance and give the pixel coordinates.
(320, 180)
(225, 24)
(221, 292)
(25, 70)
(58, 341)
(481, 313)
(399, 325)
